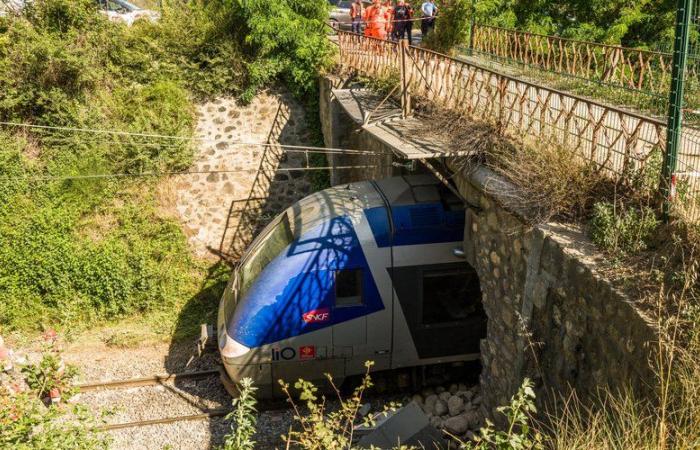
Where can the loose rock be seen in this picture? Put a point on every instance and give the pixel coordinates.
(453, 389)
(456, 425)
(444, 396)
(440, 408)
(429, 405)
(455, 405)
(436, 422)
(472, 418)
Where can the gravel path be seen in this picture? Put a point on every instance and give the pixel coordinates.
(98, 362)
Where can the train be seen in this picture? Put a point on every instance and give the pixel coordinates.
(366, 271)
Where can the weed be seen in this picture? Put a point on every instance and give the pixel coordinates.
(243, 419)
(518, 434)
(622, 229)
(319, 428)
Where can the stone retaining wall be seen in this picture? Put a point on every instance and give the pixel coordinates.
(551, 316)
(221, 211)
(340, 131)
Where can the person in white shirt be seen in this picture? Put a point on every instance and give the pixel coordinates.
(429, 10)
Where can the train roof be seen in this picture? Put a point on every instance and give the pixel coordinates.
(353, 199)
(415, 190)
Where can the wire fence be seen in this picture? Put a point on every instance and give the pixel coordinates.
(626, 145)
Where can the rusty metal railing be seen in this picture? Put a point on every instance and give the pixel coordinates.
(626, 67)
(624, 144)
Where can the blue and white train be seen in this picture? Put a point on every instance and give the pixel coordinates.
(365, 271)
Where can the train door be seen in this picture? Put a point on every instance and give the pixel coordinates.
(364, 290)
(350, 296)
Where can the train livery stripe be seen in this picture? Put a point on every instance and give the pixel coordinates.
(295, 293)
(416, 225)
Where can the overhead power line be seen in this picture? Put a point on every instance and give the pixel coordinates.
(96, 131)
(159, 174)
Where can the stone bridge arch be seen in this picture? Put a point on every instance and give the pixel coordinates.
(551, 316)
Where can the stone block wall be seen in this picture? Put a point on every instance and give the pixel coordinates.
(551, 317)
(340, 131)
(240, 187)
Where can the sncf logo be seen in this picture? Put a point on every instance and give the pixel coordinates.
(307, 352)
(317, 315)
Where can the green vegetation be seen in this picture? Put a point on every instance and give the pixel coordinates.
(452, 27)
(76, 251)
(243, 419)
(30, 420)
(646, 24)
(319, 426)
(518, 434)
(622, 229)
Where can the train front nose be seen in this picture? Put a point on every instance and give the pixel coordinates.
(239, 360)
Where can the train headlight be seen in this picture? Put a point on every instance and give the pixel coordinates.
(229, 347)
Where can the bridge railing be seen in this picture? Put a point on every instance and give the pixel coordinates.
(626, 67)
(626, 145)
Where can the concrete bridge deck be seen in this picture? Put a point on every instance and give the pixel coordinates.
(412, 138)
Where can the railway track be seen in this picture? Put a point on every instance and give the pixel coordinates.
(147, 381)
(162, 380)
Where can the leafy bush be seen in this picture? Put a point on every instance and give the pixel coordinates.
(74, 251)
(25, 421)
(620, 228)
(78, 250)
(453, 26)
(284, 39)
(321, 428)
(49, 375)
(26, 424)
(243, 419)
(518, 434)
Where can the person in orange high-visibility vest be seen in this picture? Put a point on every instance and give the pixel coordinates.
(388, 5)
(376, 17)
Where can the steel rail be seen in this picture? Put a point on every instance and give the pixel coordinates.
(144, 423)
(147, 381)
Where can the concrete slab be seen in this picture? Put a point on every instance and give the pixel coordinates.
(360, 103)
(409, 141)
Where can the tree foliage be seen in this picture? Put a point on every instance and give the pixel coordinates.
(284, 39)
(644, 23)
(73, 251)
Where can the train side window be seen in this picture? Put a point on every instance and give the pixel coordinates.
(450, 296)
(348, 288)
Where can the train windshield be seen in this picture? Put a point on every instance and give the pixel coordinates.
(273, 240)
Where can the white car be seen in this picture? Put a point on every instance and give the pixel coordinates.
(11, 7)
(128, 13)
(340, 13)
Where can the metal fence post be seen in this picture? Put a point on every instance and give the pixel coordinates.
(471, 29)
(675, 109)
(405, 96)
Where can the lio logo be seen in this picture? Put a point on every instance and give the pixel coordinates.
(286, 354)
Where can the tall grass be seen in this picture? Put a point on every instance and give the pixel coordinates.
(670, 420)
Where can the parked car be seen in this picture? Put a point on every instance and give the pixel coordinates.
(115, 10)
(11, 7)
(123, 11)
(340, 14)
